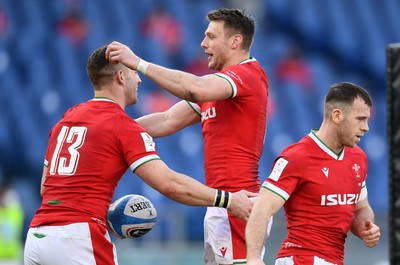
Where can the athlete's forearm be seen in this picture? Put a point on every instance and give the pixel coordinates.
(154, 124)
(256, 228)
(181, 84)
(256, 231)
(266, 205)
(362, 214)
(170, 121)
(192, 192)
(189, 191)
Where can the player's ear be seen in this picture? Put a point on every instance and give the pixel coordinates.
(337, 115)
(119, 76)
(236, 41)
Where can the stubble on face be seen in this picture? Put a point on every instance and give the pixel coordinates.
(217, 45)
(355, 123)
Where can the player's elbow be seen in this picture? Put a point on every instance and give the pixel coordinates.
(193, 95)
(197, 91)
(166, 189)
(172, 191)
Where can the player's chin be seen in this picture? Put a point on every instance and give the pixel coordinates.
(133, 101)
(211, 65)
(353, 143)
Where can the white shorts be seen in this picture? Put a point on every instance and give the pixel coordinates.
(305, 260)
(224, 237)
(80, 243)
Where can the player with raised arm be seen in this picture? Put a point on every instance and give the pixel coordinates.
(88, 152)
(232, 108)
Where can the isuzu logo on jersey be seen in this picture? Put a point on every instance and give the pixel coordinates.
(208, 114)
(339, 199)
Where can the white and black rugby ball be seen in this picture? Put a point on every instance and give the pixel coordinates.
(131, 216)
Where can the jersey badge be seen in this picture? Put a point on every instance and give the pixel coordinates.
(278, 169)
(148, 142)
(223, 251)
(325, 170)
(357, 170)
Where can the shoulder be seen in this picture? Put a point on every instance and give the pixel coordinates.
(356, 155)
(355, 151)
(299, 149)
(295, 156)
(245, 69)
(245, 76)
(292, 157)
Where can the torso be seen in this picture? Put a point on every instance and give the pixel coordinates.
(321, 189)
(234, 129)
(89, 150)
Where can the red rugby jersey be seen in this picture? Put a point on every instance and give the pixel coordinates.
(88, 152)
(321, 190)
(234, 129)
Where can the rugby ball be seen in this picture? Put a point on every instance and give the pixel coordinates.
(131, 216)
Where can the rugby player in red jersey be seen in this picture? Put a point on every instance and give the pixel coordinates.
(88, 152)
(321, 182)
(232, 108)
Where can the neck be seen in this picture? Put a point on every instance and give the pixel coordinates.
(329, 138)
(237, 58)
(108, 95)
(242, 57)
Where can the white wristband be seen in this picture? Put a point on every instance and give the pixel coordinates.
(142, 66)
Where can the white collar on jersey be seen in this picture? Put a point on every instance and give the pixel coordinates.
(250, 59)
(104, 99)
(324, 147)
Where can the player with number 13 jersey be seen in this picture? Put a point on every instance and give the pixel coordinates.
(90, 140)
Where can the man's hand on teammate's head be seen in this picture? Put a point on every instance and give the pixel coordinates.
(119, 53)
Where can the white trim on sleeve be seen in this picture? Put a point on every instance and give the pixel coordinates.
(142, 160)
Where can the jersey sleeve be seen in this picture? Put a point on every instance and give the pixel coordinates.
(137, 145)
(364, 191)
(195, 106)
(244, 77)
(284, 177)
(229, 76)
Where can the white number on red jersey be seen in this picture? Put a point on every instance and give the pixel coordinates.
(76, 137)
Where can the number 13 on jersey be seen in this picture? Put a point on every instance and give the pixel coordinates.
(75, 138)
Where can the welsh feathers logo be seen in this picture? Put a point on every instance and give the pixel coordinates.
(356, 168)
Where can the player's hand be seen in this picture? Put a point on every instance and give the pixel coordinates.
(241, 204)
(119, 53)
(370, 234)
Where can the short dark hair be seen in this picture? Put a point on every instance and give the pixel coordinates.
(98, 67)
(236, 21)
(346, 92)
